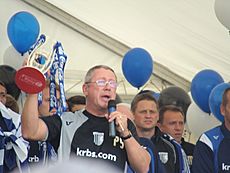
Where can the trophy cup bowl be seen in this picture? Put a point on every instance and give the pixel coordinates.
(30, 78)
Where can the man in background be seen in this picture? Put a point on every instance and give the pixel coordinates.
(145, 110)
(41, 152)
(212, 154)
(76, 103)
(171, 122)
(12, 103)
(3, 93)
(10, 134)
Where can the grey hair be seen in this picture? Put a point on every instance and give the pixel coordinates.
(90, 72)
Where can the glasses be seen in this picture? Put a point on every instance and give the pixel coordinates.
(103, 83)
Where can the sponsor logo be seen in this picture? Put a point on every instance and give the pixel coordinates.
(98, 138)
(225, 167)
(30, 80)
(33, 159)
(93, 154)
(69, 122)
(163, 157)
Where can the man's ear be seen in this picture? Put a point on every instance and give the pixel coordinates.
(222, 110)
(85, 88)
(159, 125)
(158, 117)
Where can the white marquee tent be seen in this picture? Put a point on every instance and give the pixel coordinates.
(183, 37)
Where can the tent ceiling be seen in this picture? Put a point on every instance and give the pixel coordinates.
(183, 37)
(161, 77)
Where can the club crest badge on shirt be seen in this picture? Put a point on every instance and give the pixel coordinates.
(163, 157)
(98, 138)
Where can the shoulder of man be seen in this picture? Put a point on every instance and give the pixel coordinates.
(203, 157)
(69, 118)
(212, 137)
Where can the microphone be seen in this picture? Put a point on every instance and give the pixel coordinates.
(111, 108)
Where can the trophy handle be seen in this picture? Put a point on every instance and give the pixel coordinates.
(30, 78)
(42, 58)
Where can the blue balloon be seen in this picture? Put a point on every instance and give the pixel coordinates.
(23, 30)
(137, 66)
(215, 100)
(201, 87)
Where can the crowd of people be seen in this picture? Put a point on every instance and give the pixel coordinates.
(148, 138)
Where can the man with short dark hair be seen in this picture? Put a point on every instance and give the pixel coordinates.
(12, 103)
(41, 152)
(171, 122)
(76, 103)
(12, 146)
(3, 93)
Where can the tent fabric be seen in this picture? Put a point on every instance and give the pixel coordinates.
(183, 36)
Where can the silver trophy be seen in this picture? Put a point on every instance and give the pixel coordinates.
(30, 78)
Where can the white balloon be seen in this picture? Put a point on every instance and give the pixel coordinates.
(222, 8)
(12, 58)
(198, 121)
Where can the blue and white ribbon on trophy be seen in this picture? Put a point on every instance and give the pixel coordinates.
(58, 66)
(40, 41)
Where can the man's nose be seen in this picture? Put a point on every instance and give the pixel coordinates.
(107, 86)
(178, 126)
(148, 113)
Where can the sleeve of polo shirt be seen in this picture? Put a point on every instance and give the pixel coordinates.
(54, 130)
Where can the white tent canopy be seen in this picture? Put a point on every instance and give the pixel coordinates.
(183, 37)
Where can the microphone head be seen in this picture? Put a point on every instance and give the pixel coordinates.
(112, 103)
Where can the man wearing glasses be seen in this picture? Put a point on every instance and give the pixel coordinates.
(85, 133)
